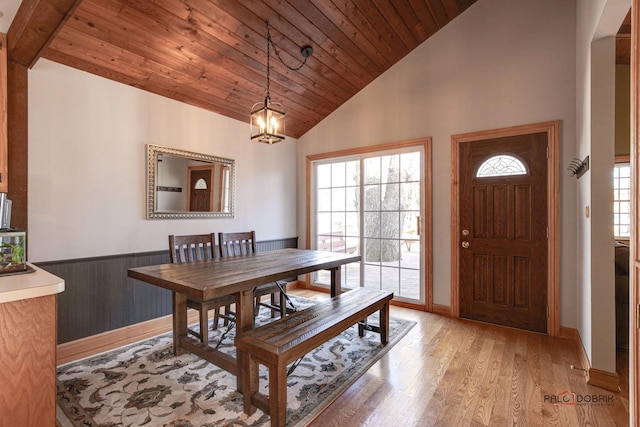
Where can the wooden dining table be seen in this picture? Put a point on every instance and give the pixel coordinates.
(238, 276)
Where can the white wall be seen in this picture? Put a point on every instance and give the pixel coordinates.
(87, 157)
(603, 81)
(597, 23)
(501, 63)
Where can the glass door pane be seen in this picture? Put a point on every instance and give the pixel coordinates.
(391, 232)
(337, 216)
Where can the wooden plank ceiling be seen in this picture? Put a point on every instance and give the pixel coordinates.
(623, 42)
(213, 53)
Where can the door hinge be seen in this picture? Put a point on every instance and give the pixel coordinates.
(547, 232)
(547, 151)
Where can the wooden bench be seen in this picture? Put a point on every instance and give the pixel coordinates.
(279, 343)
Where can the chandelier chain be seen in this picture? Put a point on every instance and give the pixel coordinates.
(267, 120)
(275, 50)
(269, 42)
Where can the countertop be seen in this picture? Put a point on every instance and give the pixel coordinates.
(29, 285)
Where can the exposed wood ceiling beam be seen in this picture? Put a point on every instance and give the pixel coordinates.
(35, 24)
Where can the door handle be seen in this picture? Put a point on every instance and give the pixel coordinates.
(465, 244)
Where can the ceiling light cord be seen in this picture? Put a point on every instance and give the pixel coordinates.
(306, 52)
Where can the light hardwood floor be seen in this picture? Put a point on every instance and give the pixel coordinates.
(452, 372)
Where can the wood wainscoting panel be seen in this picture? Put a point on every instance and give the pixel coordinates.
(100, 297)
(88, 346)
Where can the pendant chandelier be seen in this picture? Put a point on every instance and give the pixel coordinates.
(267, 118)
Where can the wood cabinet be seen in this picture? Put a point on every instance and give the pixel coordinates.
(28, 359)
(28, 348)
(4, 188)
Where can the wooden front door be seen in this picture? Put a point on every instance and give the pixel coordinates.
(503, 231)
(200, 180)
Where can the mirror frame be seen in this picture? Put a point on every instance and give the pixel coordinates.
(152, 160)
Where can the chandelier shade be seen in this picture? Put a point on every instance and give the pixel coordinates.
(267, 122)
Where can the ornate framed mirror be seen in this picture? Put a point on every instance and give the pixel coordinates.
(183, 184)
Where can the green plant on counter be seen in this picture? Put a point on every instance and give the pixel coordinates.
(17, 250)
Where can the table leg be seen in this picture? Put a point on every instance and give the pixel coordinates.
(179, 321)
(336, 281)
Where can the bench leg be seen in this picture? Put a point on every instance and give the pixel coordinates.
(250, 382)
(278, 394)
(384, 324)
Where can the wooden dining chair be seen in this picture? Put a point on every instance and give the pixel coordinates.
(196, 248)
(244, 243)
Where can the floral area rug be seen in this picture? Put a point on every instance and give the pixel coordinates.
(143, 384)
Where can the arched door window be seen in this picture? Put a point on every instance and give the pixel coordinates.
(501, 165)
(200, 184)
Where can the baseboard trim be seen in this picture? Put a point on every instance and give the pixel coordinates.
(296, 284)
(571, 333)
(595, 377)
(603, 379)
(85, 347)
(443, 310)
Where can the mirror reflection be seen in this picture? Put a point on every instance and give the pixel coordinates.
(183, 184)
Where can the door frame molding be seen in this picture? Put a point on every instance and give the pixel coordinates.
(425, 143)
(552, 129)
(634, 279)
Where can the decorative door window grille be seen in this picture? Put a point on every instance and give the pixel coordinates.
(201, 184)
(501, 165)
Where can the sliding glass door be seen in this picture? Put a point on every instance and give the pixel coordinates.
(372, 204)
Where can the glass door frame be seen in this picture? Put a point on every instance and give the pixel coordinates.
(381, 150)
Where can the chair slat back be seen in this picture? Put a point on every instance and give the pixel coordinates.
(233, 244)
(191, 248)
